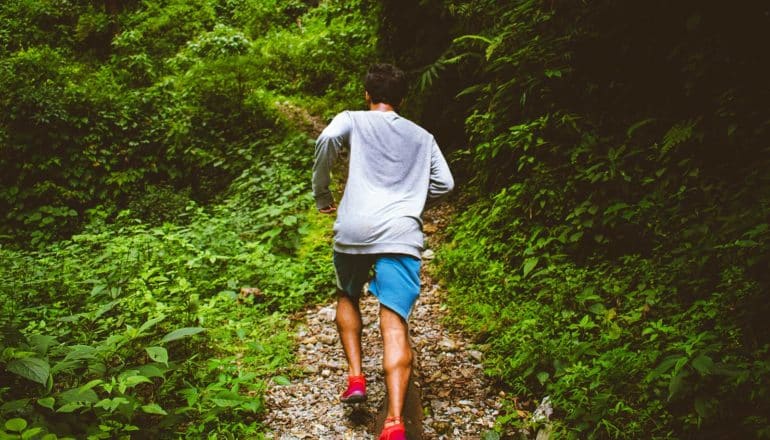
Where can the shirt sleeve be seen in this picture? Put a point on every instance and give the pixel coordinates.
(441, 181)
(332, 140)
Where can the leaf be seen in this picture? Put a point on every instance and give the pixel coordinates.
(154, 408)
(16, 425)
(542, 377)
(46, 402)
(80, 352)
(41, 343)
(30, 433)
(703, 364)
(701, 407)
(78, 395)
(182, 333)
(529, 264)
(676, 384)
(151, 370)
(105, 308)
(133, 381)
(150, 323)
(281, 380)
(32, 368)
(470, 90)
(290, 220)
(474, 38)
(69, 407)
(111, 404)
(16, 405)
(615, 208)
(598, 308)
(90, 385)
(491, 435)
(158, 354)
(98, 288)
(638, 125)
(226, 399)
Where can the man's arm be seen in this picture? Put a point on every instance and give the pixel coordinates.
(441, 181)
(327, 147)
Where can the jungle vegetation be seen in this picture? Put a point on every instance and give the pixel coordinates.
(609, 245)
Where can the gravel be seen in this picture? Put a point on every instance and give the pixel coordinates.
(459, 402)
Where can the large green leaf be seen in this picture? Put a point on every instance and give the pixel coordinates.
(79, 395)
(46, 402)
(150, 323)
(225, 399)
(182, 333)
(158, 354)
(703, 364)
(529, 264)
(16, 425)
(32, 368)
(154, 408)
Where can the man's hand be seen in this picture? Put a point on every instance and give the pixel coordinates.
(328, 210)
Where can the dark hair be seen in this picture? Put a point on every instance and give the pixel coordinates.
(385, 83)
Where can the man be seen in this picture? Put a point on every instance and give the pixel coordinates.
(395, 167)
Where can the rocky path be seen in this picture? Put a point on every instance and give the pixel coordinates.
(458, 401)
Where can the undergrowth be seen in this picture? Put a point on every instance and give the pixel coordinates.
(163, 329)
(158, 228)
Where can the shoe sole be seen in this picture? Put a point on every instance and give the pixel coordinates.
(353, 398)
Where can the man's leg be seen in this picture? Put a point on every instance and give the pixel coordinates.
(349, 327)
(397, 360)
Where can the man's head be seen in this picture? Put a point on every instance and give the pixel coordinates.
(385, 83)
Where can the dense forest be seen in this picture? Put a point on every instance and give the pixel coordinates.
(609, 244)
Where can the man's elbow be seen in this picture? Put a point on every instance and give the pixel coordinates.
(447, 186)
(439, 190)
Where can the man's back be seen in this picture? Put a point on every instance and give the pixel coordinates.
(395, 165)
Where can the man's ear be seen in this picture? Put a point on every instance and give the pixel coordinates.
(367, 97)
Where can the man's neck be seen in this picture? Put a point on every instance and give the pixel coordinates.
(381, 107)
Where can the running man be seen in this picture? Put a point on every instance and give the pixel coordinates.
(395, 167)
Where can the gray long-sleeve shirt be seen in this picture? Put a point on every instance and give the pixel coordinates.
(395, 167)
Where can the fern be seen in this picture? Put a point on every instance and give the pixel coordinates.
(677, 135)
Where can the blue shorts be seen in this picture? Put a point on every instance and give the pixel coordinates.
(395, 280)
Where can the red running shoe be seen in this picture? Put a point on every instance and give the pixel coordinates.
(356, 391)
(394, 429)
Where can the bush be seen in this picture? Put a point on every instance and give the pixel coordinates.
(608, 256)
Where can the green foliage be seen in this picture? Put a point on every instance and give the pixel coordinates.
(134, 327)
(105, 101)
(327, 41)
(612, 252)
(155, 228)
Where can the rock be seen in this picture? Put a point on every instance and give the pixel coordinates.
(476, 355)
(448, 344)
(327, 313)
(327, 339)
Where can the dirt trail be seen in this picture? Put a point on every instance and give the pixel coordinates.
(458, 401)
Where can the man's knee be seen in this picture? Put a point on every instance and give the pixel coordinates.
(398, 359)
